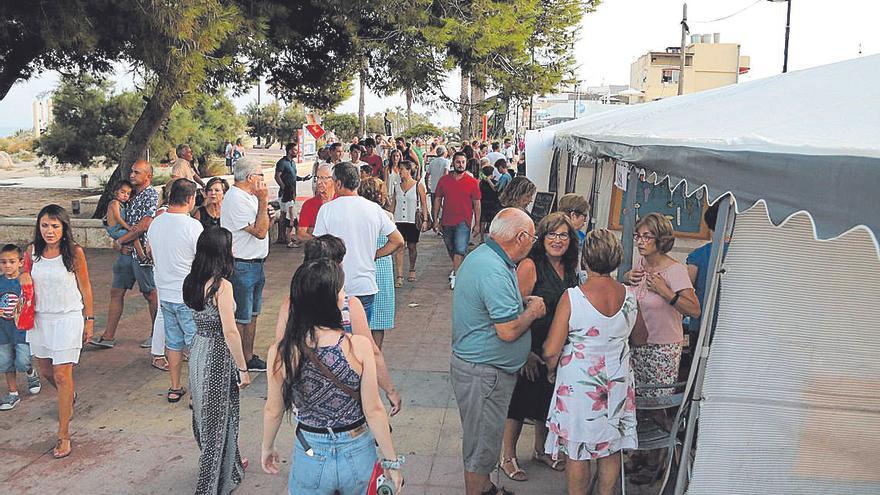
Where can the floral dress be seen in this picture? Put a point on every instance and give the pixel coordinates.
(593, 410)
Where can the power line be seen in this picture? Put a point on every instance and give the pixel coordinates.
(728, 16)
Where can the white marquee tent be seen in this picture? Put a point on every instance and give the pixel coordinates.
(788, 393)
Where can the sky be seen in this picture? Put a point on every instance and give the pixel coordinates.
(619, 31)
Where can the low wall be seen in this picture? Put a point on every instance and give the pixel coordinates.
(87, 232)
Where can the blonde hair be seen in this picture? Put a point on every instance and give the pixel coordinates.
(373, 189)
(661, 228)
(602, 251)
(516, 191)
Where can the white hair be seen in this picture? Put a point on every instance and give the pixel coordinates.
(507, 224)
(245, 166)
(324, 166)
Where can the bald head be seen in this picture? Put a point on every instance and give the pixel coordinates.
(141, 175)
(514, 231)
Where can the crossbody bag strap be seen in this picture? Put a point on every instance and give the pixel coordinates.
(324, 370)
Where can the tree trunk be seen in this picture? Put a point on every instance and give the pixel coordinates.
(362, 114)
(409, 100)
(477, 95)
(464, 106)
(157, 111)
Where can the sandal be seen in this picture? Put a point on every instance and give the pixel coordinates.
(517, 474)
(412, 276)
(160, 367)
(293, 244)
(547, 459)
(174, 395)
(398, 281)
(497, 491)
(57, 453)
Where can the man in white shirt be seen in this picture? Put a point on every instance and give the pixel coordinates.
(227, 152)
(493, 157)
(359, 223)
(173, 236)
(509, 151)
(245, 213)
(437, 168)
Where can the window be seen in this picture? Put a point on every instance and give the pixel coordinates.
(669, 76)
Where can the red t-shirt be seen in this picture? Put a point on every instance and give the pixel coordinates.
(458, 198)
(375, 162)
(309, 212)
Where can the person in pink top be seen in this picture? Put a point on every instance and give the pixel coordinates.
(458, 197)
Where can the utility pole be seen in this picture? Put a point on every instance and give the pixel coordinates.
(684, 31)
(787, 29)
(576, 98)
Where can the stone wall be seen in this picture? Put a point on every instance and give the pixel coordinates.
(88, 233)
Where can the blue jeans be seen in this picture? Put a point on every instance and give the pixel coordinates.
(247, 290)
(179, 325)
(341, 463)
(367, 303)
(456, 238)
(15, 357)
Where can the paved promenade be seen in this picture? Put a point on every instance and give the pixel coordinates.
(128, 439)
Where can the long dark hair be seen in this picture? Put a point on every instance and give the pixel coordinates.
(213, 260)
(67, 243)
(570, 258)
(314, 292)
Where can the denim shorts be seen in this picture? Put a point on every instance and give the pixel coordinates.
(367, 303)
(15, 357)
(127, 271)
(456, 238)
(179, 325)
(247, 290)
(342, 464)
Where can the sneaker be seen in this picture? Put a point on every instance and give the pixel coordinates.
(451, 275)
(256, 364)
(147, 343)
(33, 380)
(452, 282)
(100, 341)
(11, 400)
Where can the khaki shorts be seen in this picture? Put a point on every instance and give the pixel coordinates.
(483, 394)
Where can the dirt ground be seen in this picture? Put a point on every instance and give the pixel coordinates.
(26, 202)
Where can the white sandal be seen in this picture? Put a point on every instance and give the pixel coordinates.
(517, 474)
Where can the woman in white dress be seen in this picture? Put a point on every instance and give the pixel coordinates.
(408, 196)
(592, 413)
(63, 310)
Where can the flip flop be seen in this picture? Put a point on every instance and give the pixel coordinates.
(412, 276)
(547, 460)
(174, 395)
(57, 454)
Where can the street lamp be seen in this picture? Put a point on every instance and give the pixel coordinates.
(787, 28)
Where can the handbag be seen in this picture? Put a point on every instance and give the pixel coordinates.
(25, 307)
(420, 215)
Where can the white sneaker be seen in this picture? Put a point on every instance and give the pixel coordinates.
(452, 282)
(451, 275)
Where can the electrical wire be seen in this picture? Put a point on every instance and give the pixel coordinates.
(740, 11)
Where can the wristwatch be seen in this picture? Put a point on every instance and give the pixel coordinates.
(89, 318)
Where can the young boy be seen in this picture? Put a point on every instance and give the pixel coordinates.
(15, 353)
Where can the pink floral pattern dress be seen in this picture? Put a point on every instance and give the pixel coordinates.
(593, 410)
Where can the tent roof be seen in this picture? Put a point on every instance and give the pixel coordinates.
(806, 140)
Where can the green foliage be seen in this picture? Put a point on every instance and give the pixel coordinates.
(90, 122)
(18, 142)
(292, 119)
(422, 130)
(205, 127)
(344, 125)
(270, 123)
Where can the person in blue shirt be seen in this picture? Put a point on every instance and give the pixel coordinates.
(698, 267)
(15, 353)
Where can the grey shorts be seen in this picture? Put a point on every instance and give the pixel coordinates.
(483, 394)
(127, 271)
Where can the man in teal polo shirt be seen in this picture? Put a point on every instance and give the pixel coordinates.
(490, 341)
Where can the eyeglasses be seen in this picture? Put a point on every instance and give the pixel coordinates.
(643, 237)
(533, 238)
(562, 236)
(319, 178)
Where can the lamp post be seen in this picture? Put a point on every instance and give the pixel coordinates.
(787, 29)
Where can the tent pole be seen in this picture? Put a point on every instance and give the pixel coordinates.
(726, 216)
(629, 222)
(591, 221)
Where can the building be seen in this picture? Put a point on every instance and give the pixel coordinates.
(708, 64)
(571, 103)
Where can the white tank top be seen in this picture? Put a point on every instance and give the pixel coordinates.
(55, 288)
(406, 203)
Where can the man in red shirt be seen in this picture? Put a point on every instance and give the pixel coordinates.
(372, 159)
(324, 192)
(458, 196)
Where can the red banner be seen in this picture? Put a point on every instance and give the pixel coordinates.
(315, 130)
(485, 127)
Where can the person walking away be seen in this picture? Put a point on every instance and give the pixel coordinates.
(458, 198)
(114, 221)
(324, 192)
(217, 367)
(127, 269)
(437, 168)
(494, 156)
(245, 214)
(665, 294)
(209, 213)
(592, 418)
(548, 271)
(173, 236)
(489, 204)
(330, 378)
(286, 178)
(382, 315)
(15, 353)
(63, 317)
(409, 197)
(237, 153)
(576, 207)
(359, 223)
(354, 319)
(227, 153)
(490, 342)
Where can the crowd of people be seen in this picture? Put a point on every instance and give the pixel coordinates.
(541, 332)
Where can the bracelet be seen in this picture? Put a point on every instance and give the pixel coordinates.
(89, 318)
(388, 464)
(674, 299)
